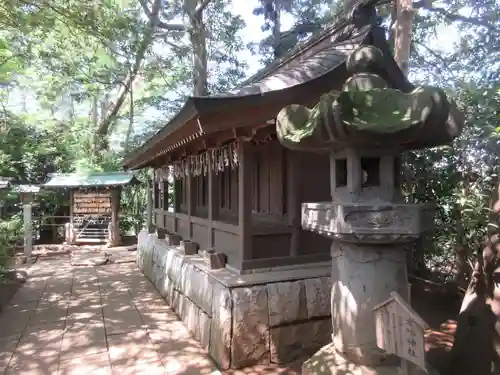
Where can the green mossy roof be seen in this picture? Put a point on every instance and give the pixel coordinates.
(96, 179)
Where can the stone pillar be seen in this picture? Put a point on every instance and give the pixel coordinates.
(363, 276)
(369, 226)
(114, 228)
(27, 199)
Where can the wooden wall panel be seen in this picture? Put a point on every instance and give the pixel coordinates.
(200, 235)
(233, 206)
(227, 243)
(264, 154)
(270, 246)
(276, 179)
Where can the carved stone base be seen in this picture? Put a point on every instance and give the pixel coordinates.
(214, 260)
(174, 239)
(327, 361)
(189, 247)
(241, 320)
(161, 233)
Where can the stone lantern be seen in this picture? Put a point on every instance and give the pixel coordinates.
(365, 126)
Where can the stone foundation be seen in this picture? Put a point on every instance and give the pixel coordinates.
(328, 361)
(242, 320)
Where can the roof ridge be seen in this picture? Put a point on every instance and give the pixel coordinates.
(300, 48)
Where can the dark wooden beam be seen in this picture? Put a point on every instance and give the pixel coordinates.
(189, 193)
(213, 203)
(245, 194)
(293, 199)
(149, 213)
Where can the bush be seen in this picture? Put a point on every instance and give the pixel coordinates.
(10, 231)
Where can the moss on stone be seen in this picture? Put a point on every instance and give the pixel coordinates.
(294, 123)
(386, 110)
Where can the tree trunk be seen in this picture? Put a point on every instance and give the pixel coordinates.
(130, 127)
(277, 29)
(403, 32)
(200, 59)
(476, 347)
(102, 131)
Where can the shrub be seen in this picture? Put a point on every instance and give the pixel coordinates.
(10, 231)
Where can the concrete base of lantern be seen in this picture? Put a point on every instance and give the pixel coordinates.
(327, 361)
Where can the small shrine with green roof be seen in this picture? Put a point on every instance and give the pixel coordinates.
(94, 204)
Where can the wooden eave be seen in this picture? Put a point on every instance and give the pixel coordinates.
(318, 73)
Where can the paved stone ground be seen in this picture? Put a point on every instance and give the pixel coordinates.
(94, 320)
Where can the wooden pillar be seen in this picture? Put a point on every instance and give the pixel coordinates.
(115, 221)
(159, 213)
(71, 207)
(174, 198)
(149, 195)
(245, 173)
(189, 193)
(293, 200)
(27, 199)
(164, 188)
(154, 199)
(213, 199)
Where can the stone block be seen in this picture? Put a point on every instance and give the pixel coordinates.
(159, 250)
(298, 341)
(147, 260)
(198, 287)
(167, 291)
(174, 239)
(204, 326)
(169, 260)
(214, 260)
(328, 361)
(161, 259)
(318, 297)
(161, 233)
(220, 331)
(143, 242)
(185, 276)
(287, 302)
(189, 247)
(159, 279)
(175, 301)
(174, 264)
(154, 274)
(250, 341)
(190, 316)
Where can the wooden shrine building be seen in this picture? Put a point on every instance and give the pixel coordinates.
(94, 204)
(236, 189)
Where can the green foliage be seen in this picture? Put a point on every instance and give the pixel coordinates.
(64, 62)
(310, 17)
(10, 232)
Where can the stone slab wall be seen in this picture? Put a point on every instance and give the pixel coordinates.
(239, 325)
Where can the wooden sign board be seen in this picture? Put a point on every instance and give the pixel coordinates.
(400, 330)
(92, 203)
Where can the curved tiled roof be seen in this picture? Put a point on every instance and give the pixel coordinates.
(295, 71)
